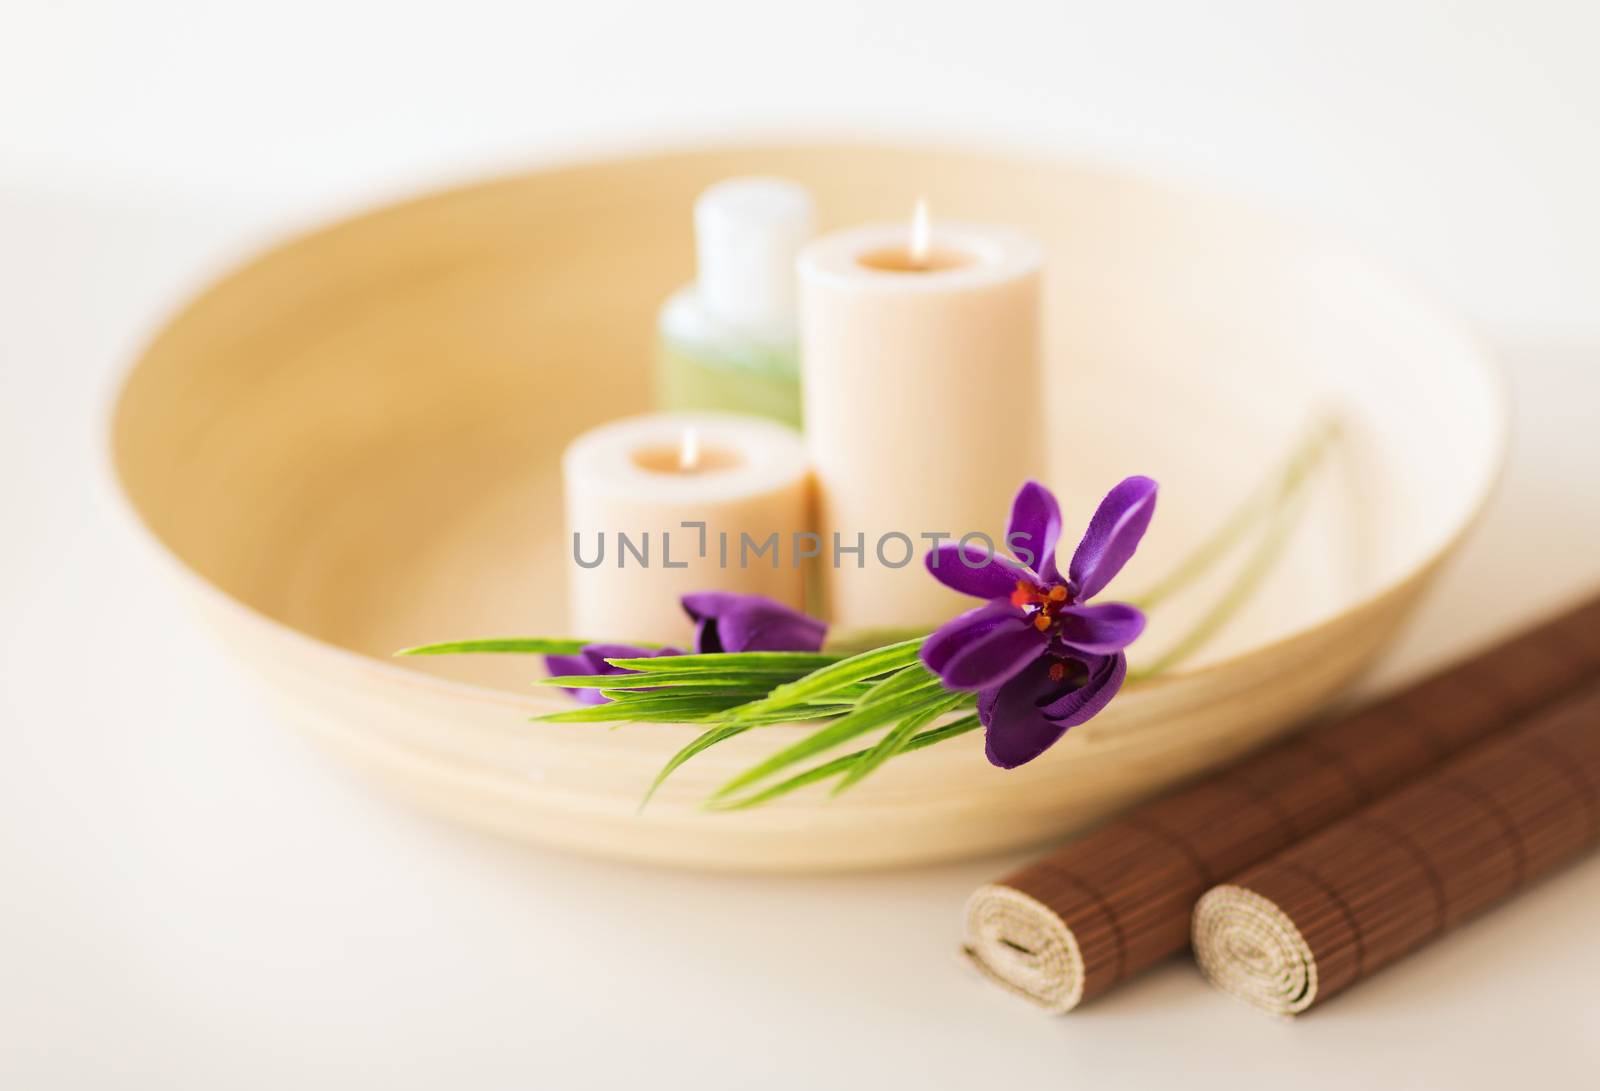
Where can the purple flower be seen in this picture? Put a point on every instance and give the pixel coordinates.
(592, 660)
(723, 622)
(1041, 658)
(726, 622)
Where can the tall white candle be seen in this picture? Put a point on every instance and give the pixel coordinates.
(633, 484)
(923, 408)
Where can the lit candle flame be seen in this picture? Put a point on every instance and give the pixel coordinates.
(689, 451)
(920, 232)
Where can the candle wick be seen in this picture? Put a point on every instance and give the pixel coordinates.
(921, 231)
(689, 451)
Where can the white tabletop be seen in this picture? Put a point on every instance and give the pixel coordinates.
(191, 897)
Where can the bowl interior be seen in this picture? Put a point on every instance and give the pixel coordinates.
(358, 435)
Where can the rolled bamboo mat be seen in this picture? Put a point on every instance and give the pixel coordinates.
(1118, 900)
(1333, 909)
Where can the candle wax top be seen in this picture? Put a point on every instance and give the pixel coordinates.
(643, 456)
(877, 257)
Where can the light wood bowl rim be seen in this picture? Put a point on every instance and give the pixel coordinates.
(1491, 373)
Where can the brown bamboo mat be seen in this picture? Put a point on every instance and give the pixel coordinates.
(1119, 899)
(1331, 910)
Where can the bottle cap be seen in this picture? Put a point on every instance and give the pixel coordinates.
(747, 233)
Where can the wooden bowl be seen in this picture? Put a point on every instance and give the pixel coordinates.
(351, 446)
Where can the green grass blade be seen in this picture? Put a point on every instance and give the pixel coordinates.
(1238, 593)
(665, 711)
(784, 787)
(861, 719)
(743, 695)
(510, 645)
(705, 741)
(1303, 460)
(795, 663)
(944, 731)
(897, 739)
(811, 714)
(845, 672)
(761, 683)
(1287, 507)
(849, 694)
(843, 764)
(913, 679)
(631, 706)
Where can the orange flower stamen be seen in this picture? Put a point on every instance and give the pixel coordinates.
(1047, 603)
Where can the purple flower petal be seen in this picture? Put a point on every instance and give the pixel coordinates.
(560, 666)
(1036, 527)
(700, 605)
(1113, 535)
(729, 622)
(1106, 674)
(980, 650)
(961, 630)
(1029, 714)
(1102, 629)
(1015, 729)
(982, 575)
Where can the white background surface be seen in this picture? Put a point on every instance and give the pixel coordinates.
(189, 897)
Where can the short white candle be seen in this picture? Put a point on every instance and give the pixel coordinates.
(923, 409)
(632, 484)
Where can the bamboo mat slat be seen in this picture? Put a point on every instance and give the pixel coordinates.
(1075, 923)
(1327, 912)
